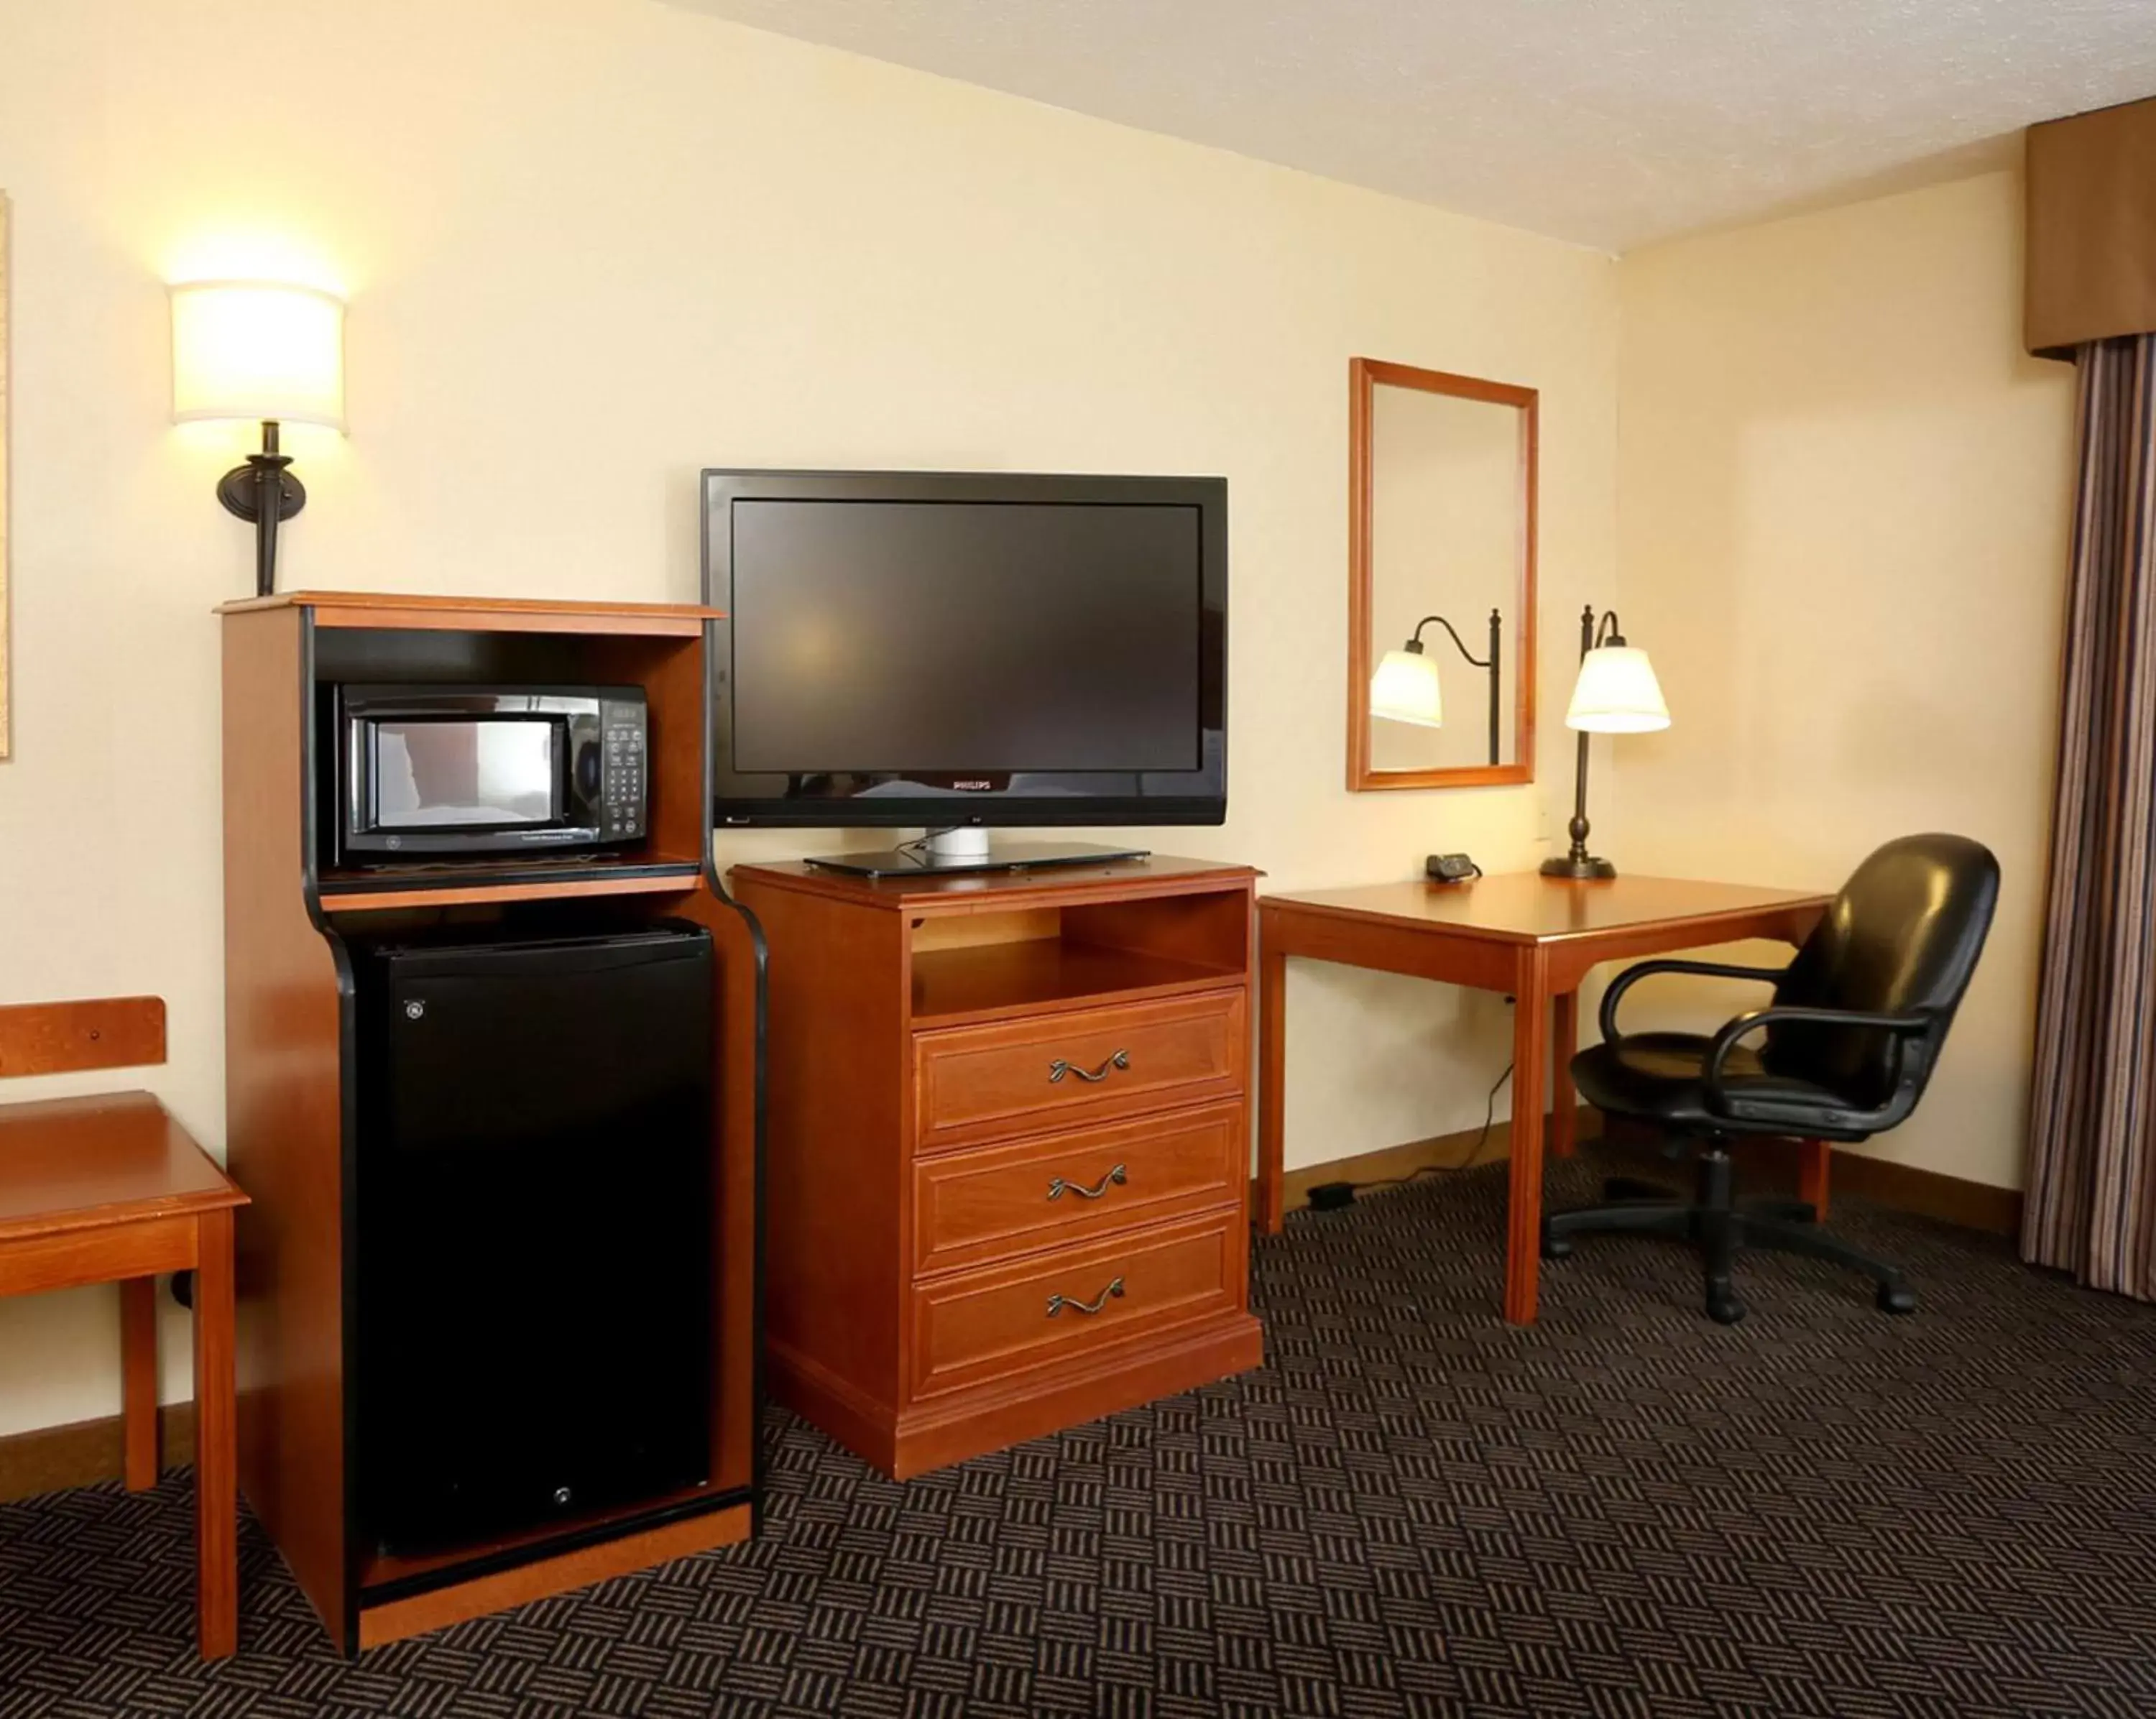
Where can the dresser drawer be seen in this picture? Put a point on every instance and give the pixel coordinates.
(993, 1202)
(1027, 1076)
(974, 1327)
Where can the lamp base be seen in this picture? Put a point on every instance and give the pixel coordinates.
(1578, 866)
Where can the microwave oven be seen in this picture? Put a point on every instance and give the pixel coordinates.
(428, 773)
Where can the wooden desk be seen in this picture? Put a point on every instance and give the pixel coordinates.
(1532, 938)
(111, 1189)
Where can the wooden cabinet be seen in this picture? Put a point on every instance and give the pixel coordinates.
(1007, 1170)
(289, 1032)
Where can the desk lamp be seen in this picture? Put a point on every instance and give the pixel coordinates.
(1616, 694)
(250, 349)
(1406, 689)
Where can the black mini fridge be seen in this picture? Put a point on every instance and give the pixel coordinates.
(532, 1287)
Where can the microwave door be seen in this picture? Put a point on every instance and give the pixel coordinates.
(482, 773)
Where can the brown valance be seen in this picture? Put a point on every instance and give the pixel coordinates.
(2091, 266)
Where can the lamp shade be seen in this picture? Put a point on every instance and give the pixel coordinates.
(257, 350)
(1617, 693)
(1405, 690)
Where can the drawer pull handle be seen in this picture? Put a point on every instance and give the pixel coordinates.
(1058, 1069)
(1057, 1304)
(1058, 1187)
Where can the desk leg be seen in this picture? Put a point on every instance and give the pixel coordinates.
(1564, 1107)
(1813, 1155)
(217, 1493)
(138, 1381)
(1530, 1020)
(1272, 1087)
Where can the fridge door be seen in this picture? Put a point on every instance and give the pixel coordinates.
(534, 1281)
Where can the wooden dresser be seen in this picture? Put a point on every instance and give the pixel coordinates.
(1007, 1167)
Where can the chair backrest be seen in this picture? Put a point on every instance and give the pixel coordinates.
(97, 1033)
(1902, 935)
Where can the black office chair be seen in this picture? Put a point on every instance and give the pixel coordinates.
(1856, 1025)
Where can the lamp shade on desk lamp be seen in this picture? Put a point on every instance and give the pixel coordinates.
(260, 350)
(1617, 693)
(1405, 690)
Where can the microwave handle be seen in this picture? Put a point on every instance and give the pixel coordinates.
(356, 777)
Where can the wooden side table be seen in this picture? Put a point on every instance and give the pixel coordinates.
(111, 1189)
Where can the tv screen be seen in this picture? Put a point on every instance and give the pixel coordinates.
(939, 648)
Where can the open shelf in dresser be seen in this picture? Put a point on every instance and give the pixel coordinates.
(993, 958)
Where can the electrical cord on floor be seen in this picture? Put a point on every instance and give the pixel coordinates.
(1331, 1196)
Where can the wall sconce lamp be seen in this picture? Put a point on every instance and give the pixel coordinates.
(1616, 693)
(1406, 689)
(250, 349)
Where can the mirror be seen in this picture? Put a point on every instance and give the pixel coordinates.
(1440, 579)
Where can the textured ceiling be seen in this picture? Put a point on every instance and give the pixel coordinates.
(1609, 122)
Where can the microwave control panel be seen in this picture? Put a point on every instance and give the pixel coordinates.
(622, 772)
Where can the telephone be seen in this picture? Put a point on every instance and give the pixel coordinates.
(1451, 868)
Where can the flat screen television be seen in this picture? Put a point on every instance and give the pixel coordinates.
(959, 650)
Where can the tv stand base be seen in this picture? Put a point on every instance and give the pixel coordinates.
(921, 859)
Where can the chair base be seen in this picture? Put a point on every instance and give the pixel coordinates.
(1717, 1227)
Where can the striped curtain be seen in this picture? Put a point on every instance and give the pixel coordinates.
(2091, 1206)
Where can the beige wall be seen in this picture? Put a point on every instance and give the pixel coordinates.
(592, 245)
(1844, 522)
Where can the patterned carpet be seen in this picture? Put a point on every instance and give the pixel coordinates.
(1411, 1509)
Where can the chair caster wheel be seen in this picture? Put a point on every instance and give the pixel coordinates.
(1555, 1247)
(1897, 1298)
(1724, 1309)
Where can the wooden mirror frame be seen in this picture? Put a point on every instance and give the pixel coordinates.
(1364, 375)
(5, 740)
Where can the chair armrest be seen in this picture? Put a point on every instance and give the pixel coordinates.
(1707, 969)
(1902, 1026)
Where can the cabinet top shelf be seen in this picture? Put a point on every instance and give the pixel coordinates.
(444, 886)
(393, 609)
